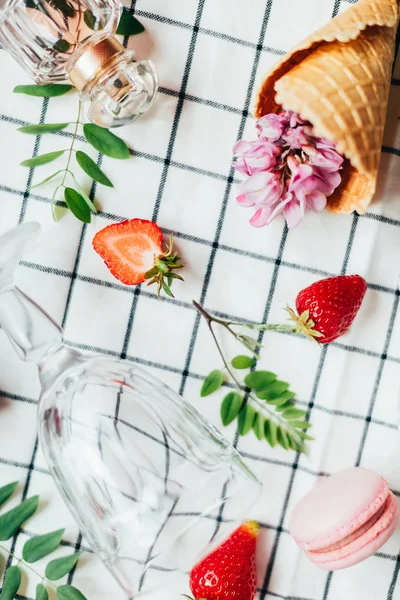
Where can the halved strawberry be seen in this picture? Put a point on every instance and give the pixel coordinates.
(133, 251)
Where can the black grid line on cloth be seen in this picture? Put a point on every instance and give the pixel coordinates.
(186, 237)
(198, 376)
(24, 205)
(31, 466)
(317, 379)
(336, 8)
(249, 456)
(179, 108)
(393, 583)
(378, 378)
(345, 263)
(65, 317)
(261, 333)
(45, 106)
(131, 290)
(176, 370)
(167, 159)
(207, 278)
(25, 491)
(76, 265)
(221, 217)
(210, 32)
(264, 590)
(158, 159)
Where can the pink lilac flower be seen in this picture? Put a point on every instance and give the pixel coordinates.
(271, 127)
(261, 190)
(255, 157)
(290, 170)
(296, 138)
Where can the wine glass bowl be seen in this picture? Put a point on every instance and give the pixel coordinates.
(149, 481)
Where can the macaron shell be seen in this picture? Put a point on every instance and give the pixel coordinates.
(336, 507)
(363, 546)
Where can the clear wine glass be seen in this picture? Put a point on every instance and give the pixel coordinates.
(149, 481)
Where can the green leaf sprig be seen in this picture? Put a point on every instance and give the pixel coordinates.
(33, 550)
(261, 402)
(105, 142)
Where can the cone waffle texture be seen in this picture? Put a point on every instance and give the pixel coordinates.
(339, 79)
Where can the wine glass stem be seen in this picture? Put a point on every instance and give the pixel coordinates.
(31, 330)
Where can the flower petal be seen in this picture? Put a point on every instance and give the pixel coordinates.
(244, 200)
(260, 217)
(293, 214)
(241, 167)
(316, 201)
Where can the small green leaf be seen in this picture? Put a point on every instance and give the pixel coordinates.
(105, 142)
(270, 433)
(304, 316)
(242, 362)
(49, 178)
(84, 195)
(68, 592)
(62, 46)
(258, 426)
(42, 159)
(64, 7)
(90, 19)
(316, 334)
(77, 205)
(12, 520)
(282, 438)
(292, 443)
(41, 592)
(212, 383)
(129, 25)
(294, 413)
(249, 342)
(167, 289)
(88, 165)
(41, 545)
(12, 581)
(246, 418)
(56, 569)
(284, 406)
(273, 391)
(258, 380)
(304, 436)
(7, 491)
(49, 90)
(301, 424)
(230, 407)
(42, 128)
(285, 397)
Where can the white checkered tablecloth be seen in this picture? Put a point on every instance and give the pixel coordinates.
(210, 56)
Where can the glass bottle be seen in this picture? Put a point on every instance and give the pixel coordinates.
(57, 40)
(149, 481)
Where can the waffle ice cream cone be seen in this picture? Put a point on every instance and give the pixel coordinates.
(339, 79)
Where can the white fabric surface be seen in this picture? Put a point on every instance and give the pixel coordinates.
(211, 55)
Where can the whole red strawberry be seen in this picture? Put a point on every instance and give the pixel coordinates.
(328, 307)
(229, 572)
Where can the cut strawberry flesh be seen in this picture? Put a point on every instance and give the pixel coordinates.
(129, 249)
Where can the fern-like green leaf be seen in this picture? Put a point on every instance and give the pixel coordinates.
(246, 418)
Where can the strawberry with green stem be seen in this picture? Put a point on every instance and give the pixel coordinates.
(230, 570)
(326, 309)
(261, 402)
(134, 253)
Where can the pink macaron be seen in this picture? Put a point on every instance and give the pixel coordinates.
(345, 518)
